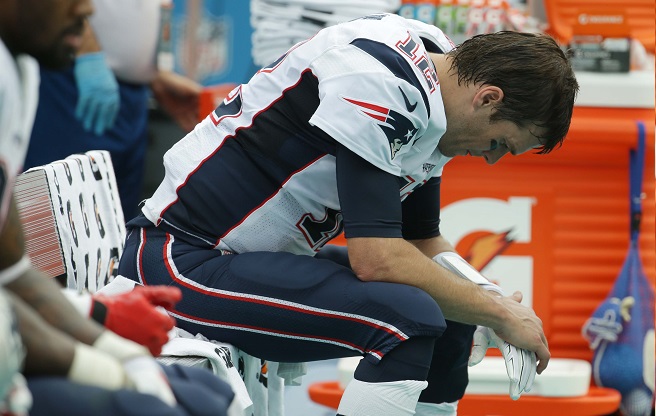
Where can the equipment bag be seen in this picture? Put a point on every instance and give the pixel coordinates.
(621, 329)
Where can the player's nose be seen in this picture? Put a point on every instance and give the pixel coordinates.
(493, 156)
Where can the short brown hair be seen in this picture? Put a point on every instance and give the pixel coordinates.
(534, 73)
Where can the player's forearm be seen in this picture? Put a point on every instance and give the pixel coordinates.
(111, 363)
(44, 296)
(38, 291)
(49, 352)
(460, 300)
(432, 246)
(395, 260)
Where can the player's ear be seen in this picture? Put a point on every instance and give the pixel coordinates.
(488, 95)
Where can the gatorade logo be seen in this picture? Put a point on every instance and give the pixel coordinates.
(483, 229)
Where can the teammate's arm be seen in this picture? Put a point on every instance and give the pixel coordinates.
(49, 352)
(59, 340)
(39, 292)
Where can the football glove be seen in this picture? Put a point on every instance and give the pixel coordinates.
(134, 315)
(96, 366)
(146, 376)
(521, 364)
(142, 372)
(456, 264)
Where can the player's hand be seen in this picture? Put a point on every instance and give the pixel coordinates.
(113, 363)
(99, 99)
(135, 315)
(178, 96)
(146, 376)
(522, 328)
(521, 364)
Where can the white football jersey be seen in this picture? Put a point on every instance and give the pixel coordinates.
(259, 172)
(19, 92)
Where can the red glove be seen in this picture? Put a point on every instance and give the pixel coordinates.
(134, 315)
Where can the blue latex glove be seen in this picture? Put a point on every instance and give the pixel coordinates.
(99, 99)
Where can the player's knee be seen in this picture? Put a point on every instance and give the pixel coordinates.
(427, 312)
(413, 305)
(409, 360)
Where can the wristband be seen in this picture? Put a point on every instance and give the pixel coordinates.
(456, 264)
(95, 368)
(121, 348)
(98, 312)
(86, 305)
(15, 270)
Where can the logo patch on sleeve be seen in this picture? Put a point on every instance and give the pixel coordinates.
(398, 129)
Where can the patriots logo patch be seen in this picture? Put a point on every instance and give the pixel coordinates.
(398, 129)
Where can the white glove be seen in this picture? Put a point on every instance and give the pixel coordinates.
(521, 364)
(146, 376)
(144, 373)
(455, 263)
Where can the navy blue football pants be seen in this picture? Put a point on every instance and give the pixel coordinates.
(198, 393)
(292, 308)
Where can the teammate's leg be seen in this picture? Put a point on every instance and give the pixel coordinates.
(198, 393)
(60, 396)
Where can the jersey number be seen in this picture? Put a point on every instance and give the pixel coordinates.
(409, 47)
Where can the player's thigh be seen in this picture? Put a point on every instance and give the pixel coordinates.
(251, 298)
(321, 283)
